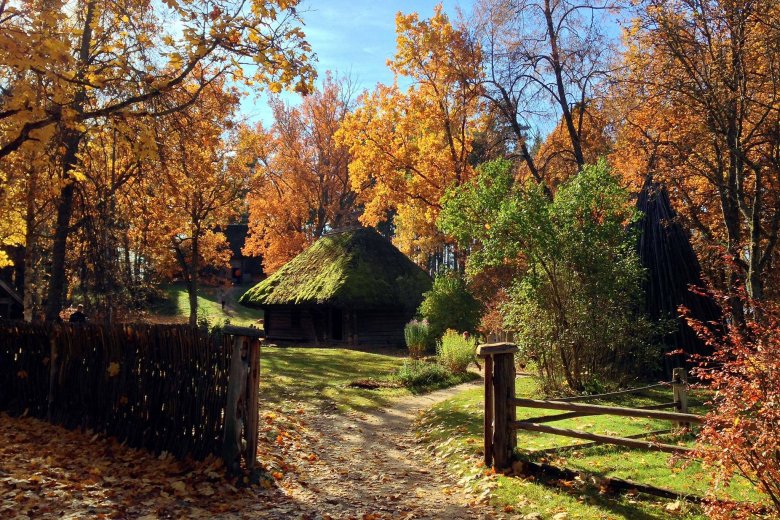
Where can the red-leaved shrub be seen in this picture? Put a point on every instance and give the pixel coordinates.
(741, 434)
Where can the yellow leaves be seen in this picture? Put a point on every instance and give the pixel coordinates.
(113, 369)
(125, 18)
(409, 147)
(179, 487)
(175, 60)
(5, 260)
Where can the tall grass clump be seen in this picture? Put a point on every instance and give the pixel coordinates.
(456, 352)
(416, 334)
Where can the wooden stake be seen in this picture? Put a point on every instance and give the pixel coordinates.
(488, 426)
(680, 389)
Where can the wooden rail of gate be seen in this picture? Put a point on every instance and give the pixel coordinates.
(501, 422)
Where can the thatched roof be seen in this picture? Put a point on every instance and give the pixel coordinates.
(666, 252)
(355, 269)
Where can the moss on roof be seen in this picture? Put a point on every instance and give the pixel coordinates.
(351, 269)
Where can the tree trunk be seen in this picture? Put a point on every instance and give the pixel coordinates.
(64, 212)
(563, 101)
(71, 143)
(192, 286)
(31, 255)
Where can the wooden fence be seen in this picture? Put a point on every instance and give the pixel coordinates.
(159, 387)
(501, 422)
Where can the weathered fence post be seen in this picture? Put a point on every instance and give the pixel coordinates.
(241, 410)
(53, 365)
(500, 436)
(680, 389)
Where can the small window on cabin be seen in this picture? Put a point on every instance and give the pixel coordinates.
(295, 319)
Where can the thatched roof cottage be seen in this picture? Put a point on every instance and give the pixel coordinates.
(351, 286)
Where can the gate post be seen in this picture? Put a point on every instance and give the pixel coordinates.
(500, 412)
(242, 410)
(680, 389)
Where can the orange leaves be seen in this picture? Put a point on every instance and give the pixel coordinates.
(300, 185)
(86, 476)
(681, 112)
(409, 146)
(113, 369)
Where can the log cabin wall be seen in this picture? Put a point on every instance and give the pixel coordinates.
(289, 323)
(381, 327)
(362, 327)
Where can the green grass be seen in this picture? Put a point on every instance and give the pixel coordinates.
(455, 427)
(177, 305)
(321, 377)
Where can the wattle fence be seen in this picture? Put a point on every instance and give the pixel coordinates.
(164, 388)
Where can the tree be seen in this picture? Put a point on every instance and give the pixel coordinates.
(577, 283)
(66, 69)
(409, 147)
(203, 185)
(543, 58)
(702, 111)
(301, 187)
(553, 156)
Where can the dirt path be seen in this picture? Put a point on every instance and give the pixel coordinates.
(369, 464)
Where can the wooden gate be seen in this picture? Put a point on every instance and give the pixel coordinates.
(501, 422)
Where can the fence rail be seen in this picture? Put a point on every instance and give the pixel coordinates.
(595, 409)
(157, 387)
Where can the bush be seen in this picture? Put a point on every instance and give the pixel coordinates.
(417, 374)
(456, 352)
(742, 432)
(449, 305)
(417, 334)
(574, 301)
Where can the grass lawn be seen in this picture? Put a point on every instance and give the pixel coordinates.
(177, 305)
(455, 428)
(321, 377)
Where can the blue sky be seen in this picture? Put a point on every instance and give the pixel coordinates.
(352, 37)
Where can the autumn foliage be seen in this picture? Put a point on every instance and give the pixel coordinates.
(409, 146)
(742, 431)
(300, 187)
